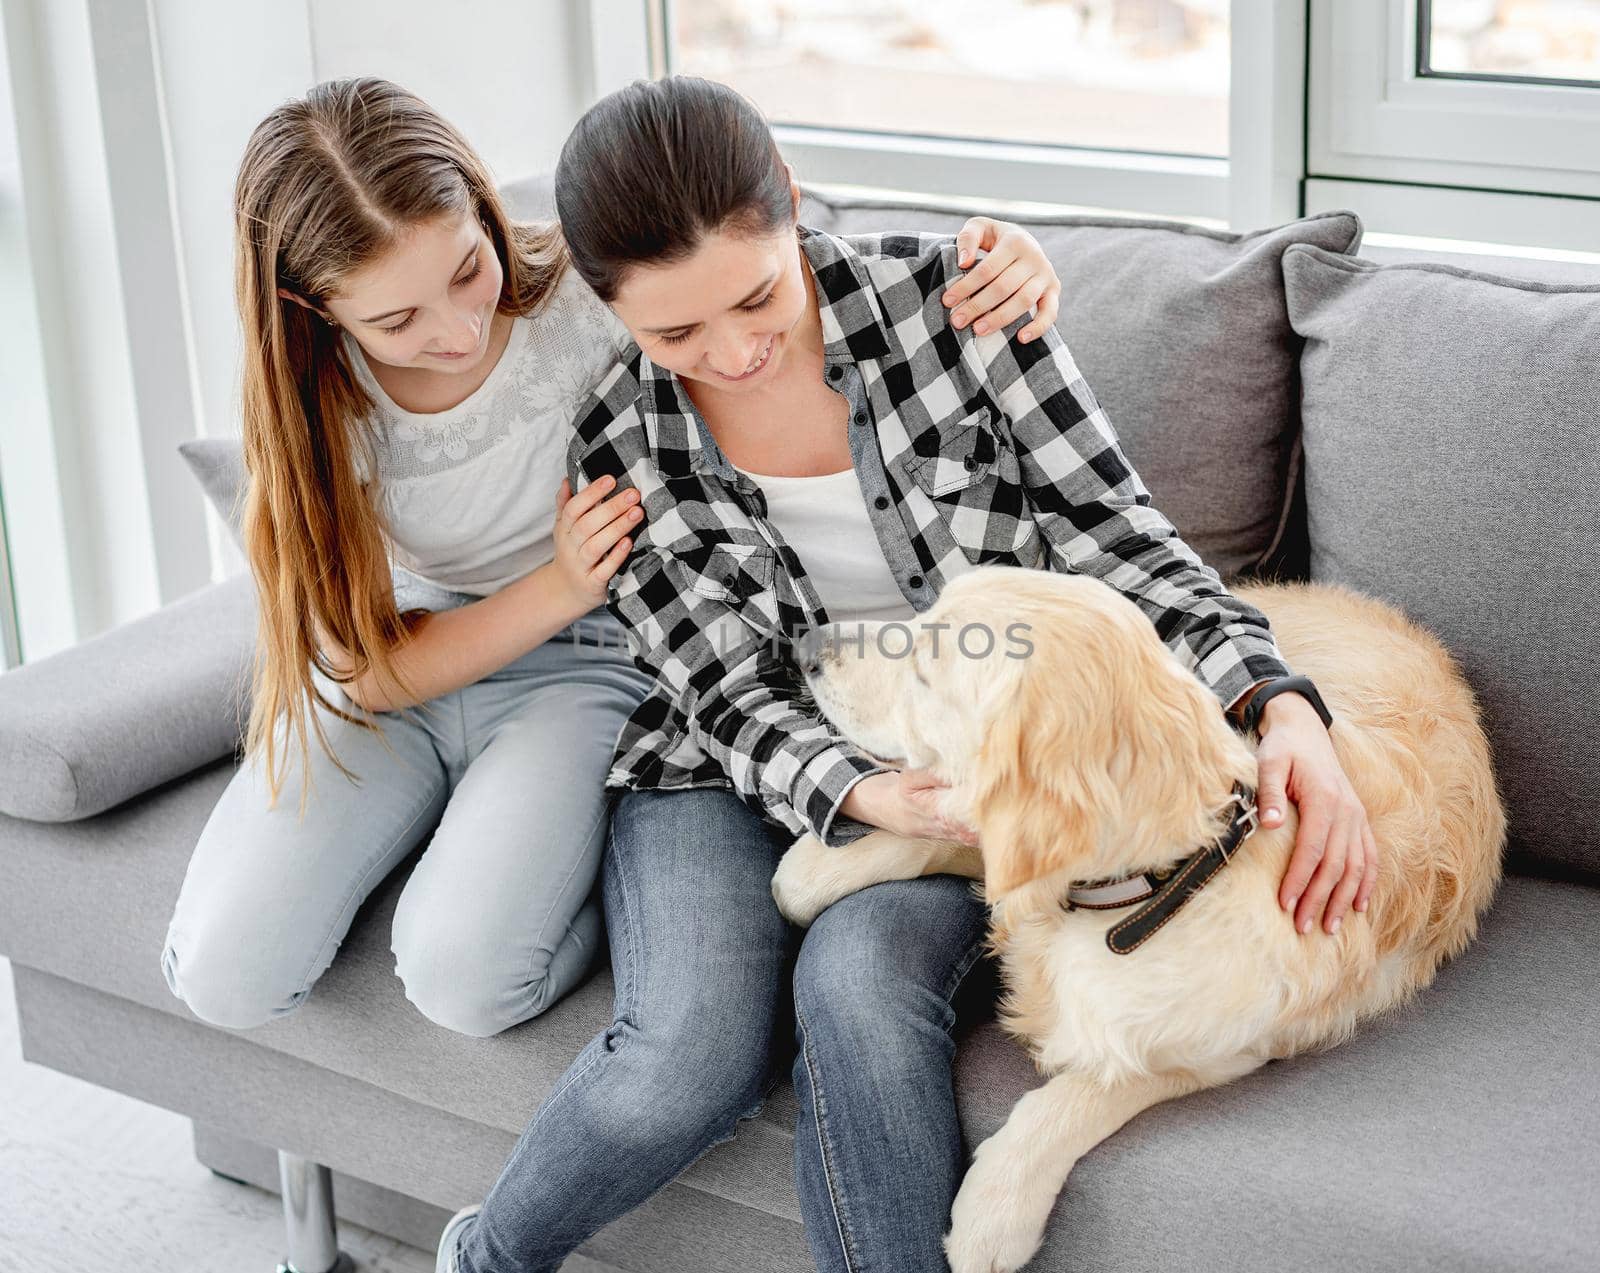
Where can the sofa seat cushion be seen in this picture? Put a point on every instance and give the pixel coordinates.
(1452, 468)
(1459, 1134)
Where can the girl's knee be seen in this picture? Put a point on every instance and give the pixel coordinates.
(222, 989)
(450, 978)
(475, 1010)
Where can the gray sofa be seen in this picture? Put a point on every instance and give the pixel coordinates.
(1299, 411)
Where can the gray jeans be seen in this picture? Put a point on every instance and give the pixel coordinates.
(499, 918)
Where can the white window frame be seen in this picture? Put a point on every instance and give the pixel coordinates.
(1258, 184)
(10, 629)
(1325, 111)
(104, 521)
(38, 608)
(1483, 159)
(157, 322)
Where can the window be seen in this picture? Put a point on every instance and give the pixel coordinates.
(1549, 41)
(1140, 75)
(33, 547)
(1474, 119)
(1121, 104)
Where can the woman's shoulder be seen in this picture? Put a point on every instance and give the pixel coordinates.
(899, 252)
(909, 271)
(611, 416)
(895, 281)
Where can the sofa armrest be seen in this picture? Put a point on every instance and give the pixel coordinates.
(152, 700)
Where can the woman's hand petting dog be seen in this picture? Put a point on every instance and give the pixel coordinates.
(914, 836)
(1333, 849)
(908, 802)
(1335, 860)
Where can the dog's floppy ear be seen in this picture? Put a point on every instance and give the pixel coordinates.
(1107, 755)
(1033, 814)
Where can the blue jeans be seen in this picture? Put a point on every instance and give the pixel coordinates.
(703, 963)
(498, 919)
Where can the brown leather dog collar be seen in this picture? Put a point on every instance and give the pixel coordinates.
(1163, 892)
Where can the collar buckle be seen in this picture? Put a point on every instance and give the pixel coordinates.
(1248, 819)
(1190, 876)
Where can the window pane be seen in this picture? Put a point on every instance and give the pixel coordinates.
(1120, 74)
(1519, 39)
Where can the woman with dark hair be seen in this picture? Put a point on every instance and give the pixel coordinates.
(812, 443)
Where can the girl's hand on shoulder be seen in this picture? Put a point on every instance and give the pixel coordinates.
(1016, 278)
(593, 535)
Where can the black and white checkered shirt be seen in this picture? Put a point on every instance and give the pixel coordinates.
(969, 450)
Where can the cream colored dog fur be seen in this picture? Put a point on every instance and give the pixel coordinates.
(1099, 755)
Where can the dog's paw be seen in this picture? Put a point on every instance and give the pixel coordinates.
(799, 886)
(996, 1222)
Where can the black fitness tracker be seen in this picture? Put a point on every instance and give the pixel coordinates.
(1283, 685)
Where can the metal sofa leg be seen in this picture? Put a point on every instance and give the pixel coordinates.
(308, 1215)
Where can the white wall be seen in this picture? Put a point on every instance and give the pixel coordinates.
(507, 73)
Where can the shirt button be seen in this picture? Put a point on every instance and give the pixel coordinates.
(861, 417)
(881, 502)
(835, 372)
(971, 462)
(916, 581)
(728, 581)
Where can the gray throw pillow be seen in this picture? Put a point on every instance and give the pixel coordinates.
(1452, 446)
(1182, 334)
(118, 715)
(218, 465)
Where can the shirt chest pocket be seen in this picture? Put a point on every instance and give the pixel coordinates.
(740, 576)
(955, 453)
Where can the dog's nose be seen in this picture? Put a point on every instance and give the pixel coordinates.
(808, 651)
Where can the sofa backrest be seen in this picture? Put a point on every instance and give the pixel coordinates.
(1474, 508)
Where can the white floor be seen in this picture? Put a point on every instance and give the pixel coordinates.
(95, 1182)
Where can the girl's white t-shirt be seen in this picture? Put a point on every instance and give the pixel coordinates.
(470, 493)
(825, 520)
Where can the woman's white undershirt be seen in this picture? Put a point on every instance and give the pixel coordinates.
(824, 519)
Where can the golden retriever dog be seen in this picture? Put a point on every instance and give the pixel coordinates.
(1096, 756)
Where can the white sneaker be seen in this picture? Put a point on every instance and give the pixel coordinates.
(450, 1239)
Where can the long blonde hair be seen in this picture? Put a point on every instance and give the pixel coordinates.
(327, 184)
